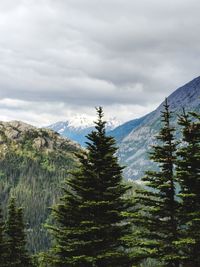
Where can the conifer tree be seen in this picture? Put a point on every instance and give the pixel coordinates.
(17, 255)
(2, 241)
(157, 204)
(188, 174)
(92, 217)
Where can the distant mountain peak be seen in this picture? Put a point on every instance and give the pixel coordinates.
(84, 121)
(80, 121)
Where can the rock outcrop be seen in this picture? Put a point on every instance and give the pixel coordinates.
(40, 138)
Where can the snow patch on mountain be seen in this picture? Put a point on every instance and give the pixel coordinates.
(78, 126)
(80, 122)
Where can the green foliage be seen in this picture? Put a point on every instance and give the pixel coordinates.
(2, 241)
(188, 174)
(34, 176)
(16, 252)
(98, 219)
(92, 219)
(156, 215)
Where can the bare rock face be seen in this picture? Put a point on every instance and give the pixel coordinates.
(11, 133)
(14, 130)
(39, 142)
(1, 140)
(21, 126)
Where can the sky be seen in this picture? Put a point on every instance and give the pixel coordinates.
(59, 58)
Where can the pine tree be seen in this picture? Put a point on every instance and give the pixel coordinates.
(188, 174)
(2, 241)
(92, 217)
(156, 215)
(17, 255)
(22, 243)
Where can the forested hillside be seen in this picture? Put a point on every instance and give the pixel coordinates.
(33, 164)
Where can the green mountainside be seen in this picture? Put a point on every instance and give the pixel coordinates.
(33, 164)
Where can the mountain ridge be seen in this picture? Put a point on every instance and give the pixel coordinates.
(135, 146)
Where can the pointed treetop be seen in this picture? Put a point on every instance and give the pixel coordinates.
(166, 105)
(100, 112)
(100, 123)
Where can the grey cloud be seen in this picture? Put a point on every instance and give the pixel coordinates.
(82, 53)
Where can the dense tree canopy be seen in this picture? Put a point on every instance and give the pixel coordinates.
(188, 174)
(157, 205)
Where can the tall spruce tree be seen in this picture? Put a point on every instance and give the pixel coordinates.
(156, 215)
(17, 255)
(188, 174)
(92, 218)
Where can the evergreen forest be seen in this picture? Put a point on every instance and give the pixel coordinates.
(77, 210)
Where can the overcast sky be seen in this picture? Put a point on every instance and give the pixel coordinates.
(63, 57)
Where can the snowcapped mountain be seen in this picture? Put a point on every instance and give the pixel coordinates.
(134, 138)
(80, 122)
(77, 127)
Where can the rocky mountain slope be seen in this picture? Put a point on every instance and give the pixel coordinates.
(33, 164)
(120, 132)
(135, 145)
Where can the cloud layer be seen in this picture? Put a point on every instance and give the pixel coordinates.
(63, 57)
